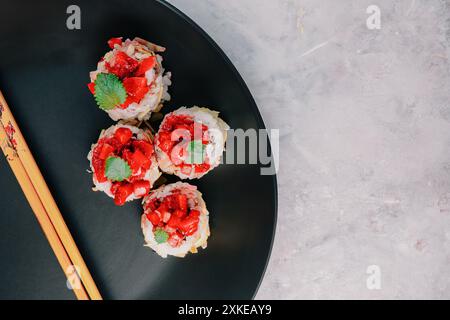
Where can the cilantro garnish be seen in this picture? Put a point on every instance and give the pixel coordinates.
(195, 151)
(161, 236)
(109, 91)
(117, 169)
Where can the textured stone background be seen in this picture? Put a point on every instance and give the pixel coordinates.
(365, 139)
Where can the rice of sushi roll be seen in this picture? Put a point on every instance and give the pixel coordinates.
(190, 142)
(175, 220)
(130, 82)
(123, 163)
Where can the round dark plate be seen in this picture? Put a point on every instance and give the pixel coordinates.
(43, 75)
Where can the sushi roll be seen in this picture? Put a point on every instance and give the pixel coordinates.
(123, 163)
(130, 82)
(190, 142)
(175, 220)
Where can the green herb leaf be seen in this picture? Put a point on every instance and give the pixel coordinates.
(161, 236)
(117, 169)
(195, 151)
(109, 91)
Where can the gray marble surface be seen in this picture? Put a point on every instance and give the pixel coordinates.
(364, 119)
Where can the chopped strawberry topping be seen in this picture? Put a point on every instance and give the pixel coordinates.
(153, 218)
(122, 193)
(141, 188)
(175, 239)
(181, 201)
(202, 167)
(174, 221)
(145, 65)
(113, 41)
(137, 160)
(99, 166)
(165, 141)
(189, 225)
(172, 213)
(180, 213)
(136, 88)
(123, 135)
(177, 131)
(105, 151)
(91, 87)
(122, 65)
(144, 146)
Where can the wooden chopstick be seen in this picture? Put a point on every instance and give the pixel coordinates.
(17, 140)
(38, 208)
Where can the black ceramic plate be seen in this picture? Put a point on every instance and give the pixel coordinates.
(43, 75)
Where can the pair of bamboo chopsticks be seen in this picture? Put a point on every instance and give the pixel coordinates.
(43, 205)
